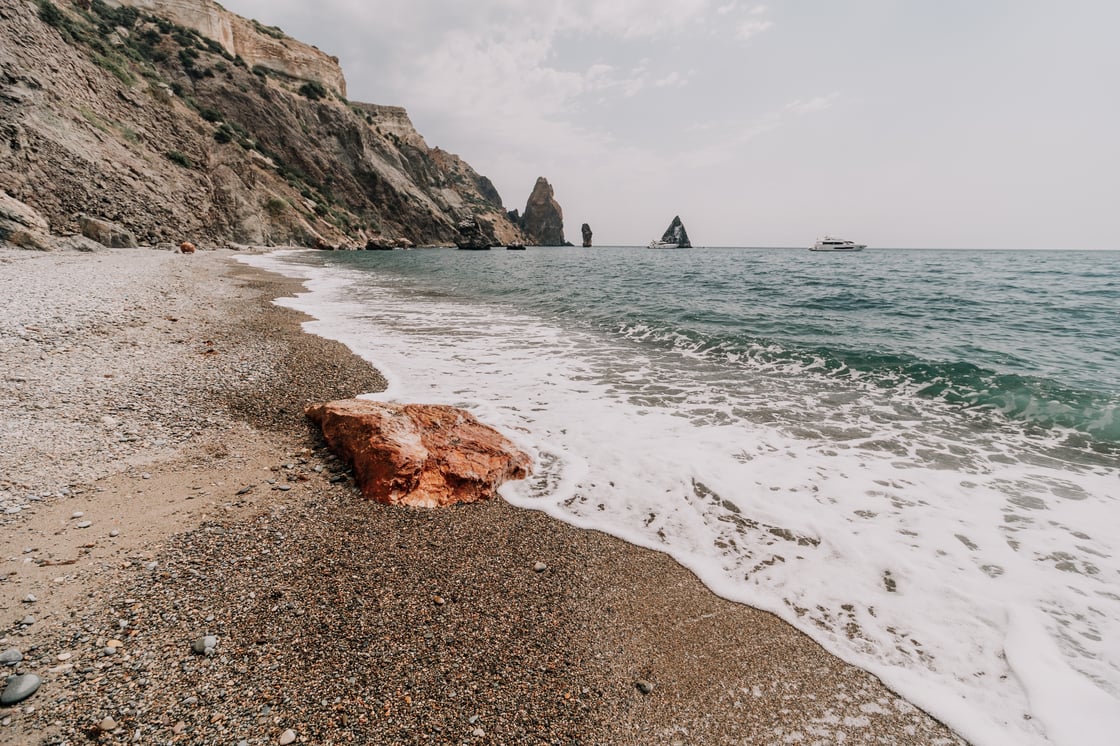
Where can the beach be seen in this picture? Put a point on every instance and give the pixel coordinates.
(159, 483)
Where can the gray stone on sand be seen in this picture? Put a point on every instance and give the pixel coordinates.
(205, 645)
(107, 724)
(10, 657)
(20, 688)
(539, 567)
(288, 736)
(645, 687)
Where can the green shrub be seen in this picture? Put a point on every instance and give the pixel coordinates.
(313, 90)
(274, 31)
(50, 14)
(178, 158)
(223, 135)
(115, 68)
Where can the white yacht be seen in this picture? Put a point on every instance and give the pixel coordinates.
(828, 243)
(664, 245)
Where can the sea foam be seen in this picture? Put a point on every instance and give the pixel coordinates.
(966, 565)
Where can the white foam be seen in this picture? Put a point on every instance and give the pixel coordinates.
(906, 541)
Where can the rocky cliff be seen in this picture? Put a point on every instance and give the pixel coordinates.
(175, 119)
(259, 45)
(543, 221)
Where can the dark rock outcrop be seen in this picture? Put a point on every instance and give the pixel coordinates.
(106, 233)
(543, 221)
(475, 235)
(419, 455)
(676, 234)
(165, 132)
(585, 229)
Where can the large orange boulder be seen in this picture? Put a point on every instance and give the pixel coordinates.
(423, 455)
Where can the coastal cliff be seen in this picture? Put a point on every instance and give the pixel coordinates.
(257, 44)
(175, 119)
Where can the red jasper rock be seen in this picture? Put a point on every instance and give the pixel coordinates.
(186, 247)
(422, 455)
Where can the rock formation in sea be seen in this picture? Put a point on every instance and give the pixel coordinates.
(543, 220)
(676, 233)
(475, 234)
(168, 118)
(585, 229)
(420, 455)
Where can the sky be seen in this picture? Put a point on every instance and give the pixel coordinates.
(895, 123)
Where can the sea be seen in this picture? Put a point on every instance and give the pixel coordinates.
(911, 455)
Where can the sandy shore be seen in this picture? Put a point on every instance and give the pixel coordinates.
(158, 483)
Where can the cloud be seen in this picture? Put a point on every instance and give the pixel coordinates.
(813, 105)
(751, 27)
(751, 24)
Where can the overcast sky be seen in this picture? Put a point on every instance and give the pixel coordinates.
(897, 123)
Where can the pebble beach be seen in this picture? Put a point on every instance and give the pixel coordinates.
(184, 562)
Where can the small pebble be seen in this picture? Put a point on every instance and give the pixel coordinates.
(438, 600)
(645, 687)
(540, 567)
(114, 532)
(30, 598)
(64, 656)
(288, 736)
(205, 645)
(10, 657)
(83, 524)
(107, 724)
(77, 514)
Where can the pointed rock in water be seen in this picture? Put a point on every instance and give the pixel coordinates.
(20, 688)
(676, 233)
(543, 221)
(585, 229)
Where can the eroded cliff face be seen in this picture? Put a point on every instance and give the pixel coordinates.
(147, 122)
(257, 44)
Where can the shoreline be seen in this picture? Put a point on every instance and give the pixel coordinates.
(324, 605)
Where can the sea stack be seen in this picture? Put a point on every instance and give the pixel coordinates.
(585, 229)
(543, 221)
(676, 234)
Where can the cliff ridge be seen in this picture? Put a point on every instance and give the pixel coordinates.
(177, 120)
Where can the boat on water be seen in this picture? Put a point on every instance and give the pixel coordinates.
(675, 237)
(829, 243)
(515, 247)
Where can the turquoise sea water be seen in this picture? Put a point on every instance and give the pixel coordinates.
(1028, 336)
(912, 455)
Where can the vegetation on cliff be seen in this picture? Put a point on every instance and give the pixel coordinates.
(131, 117)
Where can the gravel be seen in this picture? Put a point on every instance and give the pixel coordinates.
(322, 608)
